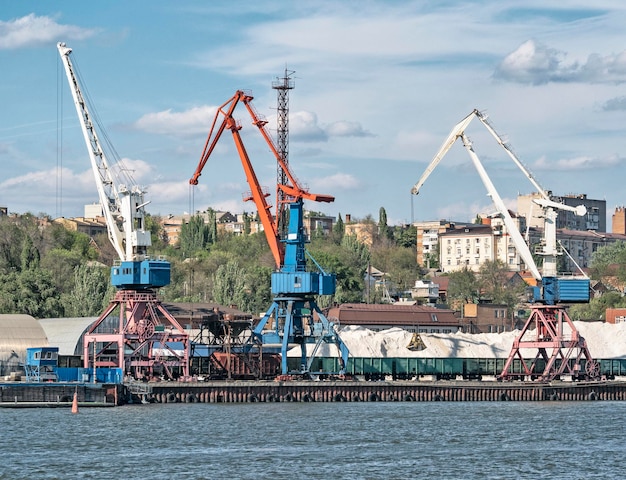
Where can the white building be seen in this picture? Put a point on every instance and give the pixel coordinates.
(471, 245)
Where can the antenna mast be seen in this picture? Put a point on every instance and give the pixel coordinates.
(282, 86)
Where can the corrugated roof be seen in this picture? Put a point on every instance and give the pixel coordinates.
(17, 333)
(66, 333)
(21, 331)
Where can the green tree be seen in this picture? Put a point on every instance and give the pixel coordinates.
(463, 287)
(431, 259)
(91, 293)
(398, 263)
(257, 295)
(383, 228)
(229, 284)
(348, 262)
(11, 244)
(339, 229)
(603, 260)
(495, 285)
(492, 279)
(194, 236)
(60, 264)
(30, 292)
(406, 236)
(246, 224)
(212, 225)
(158, 235)
(68, 250)
(595, 310)
(30, 255)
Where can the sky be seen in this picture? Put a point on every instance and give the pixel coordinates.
(378, 87)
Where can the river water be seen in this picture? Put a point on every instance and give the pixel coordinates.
(404, 440)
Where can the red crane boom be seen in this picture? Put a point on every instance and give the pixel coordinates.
(294, 191)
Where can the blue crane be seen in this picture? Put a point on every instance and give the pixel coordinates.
(294, 318)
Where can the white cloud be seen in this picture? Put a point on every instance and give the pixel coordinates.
(32, 30)
(46, 181)
(169, 192)
(536, 64)
(136, 170)
(615, 104)
(577, 163)
(303, 126)
(346, 129)
(530, 63)
(194, 121)
(338, 181)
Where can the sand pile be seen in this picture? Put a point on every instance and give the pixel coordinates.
(604, 340)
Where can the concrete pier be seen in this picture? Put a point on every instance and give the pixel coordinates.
(397, 391)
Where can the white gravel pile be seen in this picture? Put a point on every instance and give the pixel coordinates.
(604, 340)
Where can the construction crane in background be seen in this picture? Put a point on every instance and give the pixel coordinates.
(146, 340)
(296, 319)
(562, 352)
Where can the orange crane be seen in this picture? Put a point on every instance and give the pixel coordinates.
(297, 318)
(293, 192)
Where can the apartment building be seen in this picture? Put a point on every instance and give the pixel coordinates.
(317, 222)
(467, 246)
(594, 219)
(619, 221)
(88, 226)
(428, 240)
(577, 246)
(471, 245)
(365, 232)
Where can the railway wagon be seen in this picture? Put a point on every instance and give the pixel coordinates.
(404, 368)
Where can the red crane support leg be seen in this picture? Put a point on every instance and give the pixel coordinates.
(558, 348)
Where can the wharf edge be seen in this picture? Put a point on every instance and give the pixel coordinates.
(396, 391)
(21, 395)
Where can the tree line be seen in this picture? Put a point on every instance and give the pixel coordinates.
(48, 271)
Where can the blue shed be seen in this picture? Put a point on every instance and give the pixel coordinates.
(41, 364)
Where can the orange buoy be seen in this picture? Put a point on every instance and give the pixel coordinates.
(75, 403)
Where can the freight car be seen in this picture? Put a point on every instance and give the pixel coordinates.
(407, 368)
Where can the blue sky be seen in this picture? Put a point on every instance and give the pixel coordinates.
(378, 87)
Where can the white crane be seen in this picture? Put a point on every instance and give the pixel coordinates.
(121, 200)
(145, 329)
(558, 352)
(550, 250)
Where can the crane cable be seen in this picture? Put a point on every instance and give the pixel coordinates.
(59, 149)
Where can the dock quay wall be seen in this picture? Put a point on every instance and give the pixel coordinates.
(402, 391)
(53, 394)
(107, 395)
